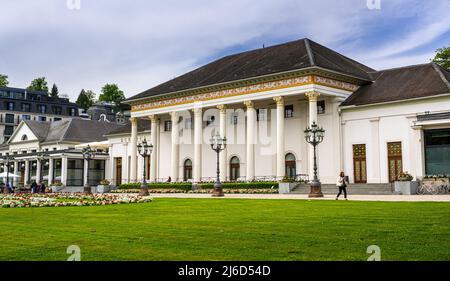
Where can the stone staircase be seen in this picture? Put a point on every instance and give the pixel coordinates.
(356, 189)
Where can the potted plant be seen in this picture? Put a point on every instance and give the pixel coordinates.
(405, 184)
(103, 186)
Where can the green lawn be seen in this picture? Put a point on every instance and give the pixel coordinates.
(229, 229)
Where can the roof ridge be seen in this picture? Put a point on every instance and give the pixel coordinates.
(402, 67)
(438, 69)
(309, 51)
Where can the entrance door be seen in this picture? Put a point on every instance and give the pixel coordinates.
(118, 172)
(235, 168)
(394, 160)
(359, 163)
(187, 173)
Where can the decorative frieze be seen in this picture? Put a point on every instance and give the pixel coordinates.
(244, 90)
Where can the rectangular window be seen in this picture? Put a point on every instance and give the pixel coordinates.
(57, 164)
(321, 107)
(57, 119)
(42, 108)
(289, 111)
(234, 118)
(168, 126)
(188, 123)
(75, 171)
(9, 130)
(261, 114)
(437, 151)
(26, 117)
(71, 111)
(26, 107)
(42, 118)
(57, 110)
(9, 105)
(9, 118)
(96, 172)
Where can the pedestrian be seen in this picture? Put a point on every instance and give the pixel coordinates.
(34, 187)
(43, 187)
(169, 179)
(342, 184)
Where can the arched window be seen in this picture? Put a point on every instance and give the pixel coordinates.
(290, 165)
(235, 168)
(24, 137)
(187, 174)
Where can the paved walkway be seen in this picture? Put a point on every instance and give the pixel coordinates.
(390, 198)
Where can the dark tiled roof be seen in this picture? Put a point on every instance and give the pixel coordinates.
(73, 130)
(143, 125)
(403, 83)
(289, 56)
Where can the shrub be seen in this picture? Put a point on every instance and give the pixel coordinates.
(188, 185)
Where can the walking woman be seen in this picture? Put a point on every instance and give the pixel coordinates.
(342, 184)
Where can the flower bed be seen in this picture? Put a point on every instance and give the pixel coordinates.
(188, 186)
(69, 199)
(202, 191)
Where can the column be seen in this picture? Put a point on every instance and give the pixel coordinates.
(50, 171)
(153, 157)
(133, 149)
(280, 138)
(64, 170)
(85, 172)
(27, 173)
(312, 97)
(198, 128)
(175, 147)
(38, 170)
(251, 114)
(223, 134)
(15, 181)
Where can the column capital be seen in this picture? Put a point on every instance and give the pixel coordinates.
(153, 118)
(312, 96)
(249, 104)
(173, 114)
(134, 120)
(222, 108)
(279, 100)
(197, 110)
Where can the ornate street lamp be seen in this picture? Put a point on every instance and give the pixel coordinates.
(314, 135)
(144, 149)
(218, 144)
(8, 158)
(88, 154)
(41, 156)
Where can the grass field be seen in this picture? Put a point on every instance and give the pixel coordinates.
(230, 229)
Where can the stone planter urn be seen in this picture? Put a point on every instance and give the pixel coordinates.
(56, 188)
(286, 187)
(406, 187)
(102, 189)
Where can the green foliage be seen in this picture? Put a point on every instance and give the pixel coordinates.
(111, 93)
(38, 84)
(85, 99)
(443, 57)
(188, 186)
(3, 80)
(55, 92)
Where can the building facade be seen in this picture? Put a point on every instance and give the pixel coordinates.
(377, 123)
(20, 104)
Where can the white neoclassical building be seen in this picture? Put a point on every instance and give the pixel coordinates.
(377, 123)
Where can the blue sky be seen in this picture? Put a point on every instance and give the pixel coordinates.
(141, 43)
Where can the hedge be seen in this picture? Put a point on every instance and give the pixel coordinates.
(188, 186)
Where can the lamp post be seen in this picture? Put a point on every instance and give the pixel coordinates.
(314, 135)
(88, 154)
(8, 158)
(40, 156)
(218, 144)
(144, 149)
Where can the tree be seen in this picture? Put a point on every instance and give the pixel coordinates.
(443, 57)
(38, 84)
(85, 99)
(3, 80)
(54, 93)
(112, 93)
